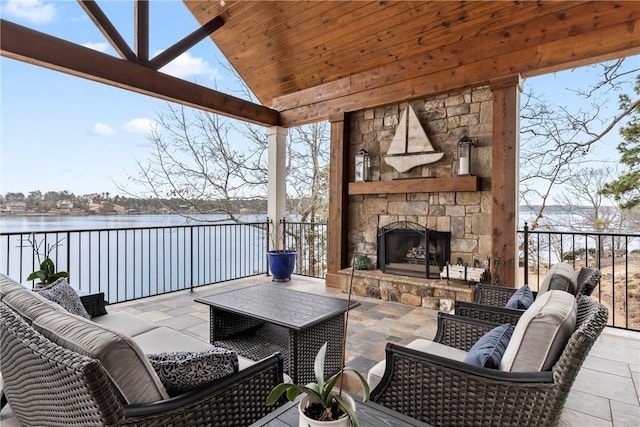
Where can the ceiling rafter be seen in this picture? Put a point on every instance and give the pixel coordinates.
(24, 44)
(108, 30)
(141, 32)
(186, 43)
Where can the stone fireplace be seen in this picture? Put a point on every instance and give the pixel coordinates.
(409, 249)
(430, 197)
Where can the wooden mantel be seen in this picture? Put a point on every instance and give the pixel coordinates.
(416, 185)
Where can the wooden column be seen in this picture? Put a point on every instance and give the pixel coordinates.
(505, 176)
(338, 198)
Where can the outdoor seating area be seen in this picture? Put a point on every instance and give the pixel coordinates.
(605, 391)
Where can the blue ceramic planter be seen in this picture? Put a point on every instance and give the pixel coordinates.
(282, 264)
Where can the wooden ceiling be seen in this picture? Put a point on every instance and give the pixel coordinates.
(311, 59)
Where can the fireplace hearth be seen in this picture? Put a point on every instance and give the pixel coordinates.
(409, 249)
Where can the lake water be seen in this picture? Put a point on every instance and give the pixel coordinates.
(26, 224)
(133, 256)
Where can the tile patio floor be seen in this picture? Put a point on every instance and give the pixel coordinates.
(606, 392)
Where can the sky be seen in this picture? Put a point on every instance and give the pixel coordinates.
(61, 132)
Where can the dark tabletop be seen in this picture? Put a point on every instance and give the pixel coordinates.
(279, 305)
(369, 414)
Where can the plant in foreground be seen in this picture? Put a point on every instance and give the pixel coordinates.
(326, 403)
(47, 273)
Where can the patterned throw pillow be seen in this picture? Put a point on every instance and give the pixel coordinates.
(181, 371)
(521, 299)
(488, 350)
(63, 294)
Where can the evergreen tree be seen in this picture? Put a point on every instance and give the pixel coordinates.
(626, 189)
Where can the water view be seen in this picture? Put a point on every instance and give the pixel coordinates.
(133, 256)
(29, 223)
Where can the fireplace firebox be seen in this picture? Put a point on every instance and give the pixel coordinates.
(409, 249)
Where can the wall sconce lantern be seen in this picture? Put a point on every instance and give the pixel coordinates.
(363, 166)
(465, 149)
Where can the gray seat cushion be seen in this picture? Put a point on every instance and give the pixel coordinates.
(541, 333)
(122, 358)
(30, 305)
(560, 277)
(164, 339)
(125, 323)
(8, 285)
(375, 374)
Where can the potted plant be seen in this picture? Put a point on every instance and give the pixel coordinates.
(324, 404)
(47, 273)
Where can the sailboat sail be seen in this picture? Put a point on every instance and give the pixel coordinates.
(410, 146)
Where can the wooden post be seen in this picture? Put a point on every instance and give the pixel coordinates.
(337, 252)
(505, 175)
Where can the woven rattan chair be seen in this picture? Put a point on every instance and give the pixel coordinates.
(490, 300)
(47, 385)
(443, 392)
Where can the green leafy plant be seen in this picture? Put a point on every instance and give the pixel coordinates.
(322, 393)
(47, 273)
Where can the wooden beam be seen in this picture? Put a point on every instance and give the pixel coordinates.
(24, 44)
(416, 185)
(504, 176)
(337, 242)
(183, 45)
(107, 29)
(141, 32)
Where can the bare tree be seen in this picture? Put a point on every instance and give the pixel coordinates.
(192, 159)
(555, 139)
(592, 211)
(198, 156)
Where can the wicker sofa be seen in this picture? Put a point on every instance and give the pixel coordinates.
(430, 381)
(50, 380)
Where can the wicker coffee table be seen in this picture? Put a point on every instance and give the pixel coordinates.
(260, 320)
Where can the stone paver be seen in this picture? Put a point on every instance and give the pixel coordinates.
(605, 392)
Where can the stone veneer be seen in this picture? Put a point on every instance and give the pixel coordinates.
(467, 215)
(428, 293)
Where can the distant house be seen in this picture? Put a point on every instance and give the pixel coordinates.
(16, 206)
(64, 205)
(89, 198)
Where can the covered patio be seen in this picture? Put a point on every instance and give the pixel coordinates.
(358, 65)
(606, 392)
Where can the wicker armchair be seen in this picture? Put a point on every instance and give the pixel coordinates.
(46, 384)
(490, 300)
(443, 392)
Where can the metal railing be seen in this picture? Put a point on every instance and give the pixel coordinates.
(309, 239)
(616, 255)
(132, 263)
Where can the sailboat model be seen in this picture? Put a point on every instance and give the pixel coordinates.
(410, 146)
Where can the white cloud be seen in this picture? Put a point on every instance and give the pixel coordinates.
(100, 47)
(185, 66)
(140, 125)
(32, 11)
(102, 129)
